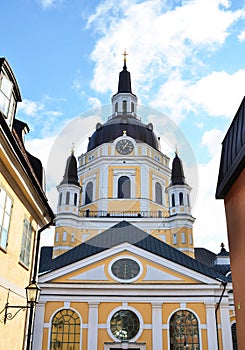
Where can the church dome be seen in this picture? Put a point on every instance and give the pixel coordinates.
(114, 128)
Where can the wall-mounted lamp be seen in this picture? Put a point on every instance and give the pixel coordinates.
(32, 297)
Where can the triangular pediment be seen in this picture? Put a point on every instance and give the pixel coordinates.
(152, 269)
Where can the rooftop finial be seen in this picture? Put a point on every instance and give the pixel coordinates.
(176, 149)
(125, 54)
(72, 148)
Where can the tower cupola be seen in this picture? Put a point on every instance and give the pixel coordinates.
(69, 188)
(178, 190)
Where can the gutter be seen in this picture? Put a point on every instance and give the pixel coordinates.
(217, 309)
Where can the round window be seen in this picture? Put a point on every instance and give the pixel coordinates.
(124, 325)
(125, 269)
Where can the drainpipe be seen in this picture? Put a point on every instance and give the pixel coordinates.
(34, 280)
(216, 311)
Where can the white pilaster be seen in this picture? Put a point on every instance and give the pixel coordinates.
(211, 327)
(38, 326)
(156, 326)
(93, 325)
(226, 327)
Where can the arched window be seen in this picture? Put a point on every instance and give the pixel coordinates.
(89, 193)
(184, 331)
(124, 106)
(181, 201)
(234, 336)
(75, 199)
(60, 198)
(65, 330)
(173, 200)
(188, 200)
(123, 187)
(132, 107)
(67, 198)
(116, 107)
(175, 238)
(64, 237)
(183, 238)
(158, 193)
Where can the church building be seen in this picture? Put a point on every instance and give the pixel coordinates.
(123, 272)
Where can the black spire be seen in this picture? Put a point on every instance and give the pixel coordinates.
(124, 84)
(177, 176)
(70, 176)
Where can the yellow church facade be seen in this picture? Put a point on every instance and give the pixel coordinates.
(23, 211)
(123, 272)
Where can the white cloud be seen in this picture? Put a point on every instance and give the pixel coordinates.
(30, 108)
(159, 37)
(212, 140)
(50, 3)
(241, 36)
(210, 226)
(94, 102)
(218, 94)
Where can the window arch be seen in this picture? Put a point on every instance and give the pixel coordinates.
(132, 107)
(234, 336)
(123, 187)
(158, 193)
(65, 330)
(75, 199)
(89, 193)
(124, 106)
(184, 331)
(173, 200)
(181, 198)
(67, 198)
(60, 198)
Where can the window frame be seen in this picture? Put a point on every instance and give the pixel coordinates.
(26, 243)
(5, 213)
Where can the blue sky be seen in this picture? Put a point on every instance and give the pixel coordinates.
(186, 60)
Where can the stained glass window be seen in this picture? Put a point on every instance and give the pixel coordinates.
(65, 332)
(124, 324)
(184, 332)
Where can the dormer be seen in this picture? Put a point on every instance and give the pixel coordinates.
(9, 92)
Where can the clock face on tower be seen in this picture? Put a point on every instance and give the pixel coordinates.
(124, 146)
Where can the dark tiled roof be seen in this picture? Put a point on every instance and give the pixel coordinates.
(70, 176)
(126, 232)
(205, 256)
(233, 153)
(177, 176)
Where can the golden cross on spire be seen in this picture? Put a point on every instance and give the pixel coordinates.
(125, 54)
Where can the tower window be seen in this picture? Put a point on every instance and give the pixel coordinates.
(183, 239)
(56, 236)
(60, 199)
(174, 238)
(124, 187)
(132, 107)
(116, 107)
(67, 198)
(181, 200)
(89, 193)
(173, 200)
(64, 237)
(158, 193)
(75, 199)
(124, 106)
(188, 200)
